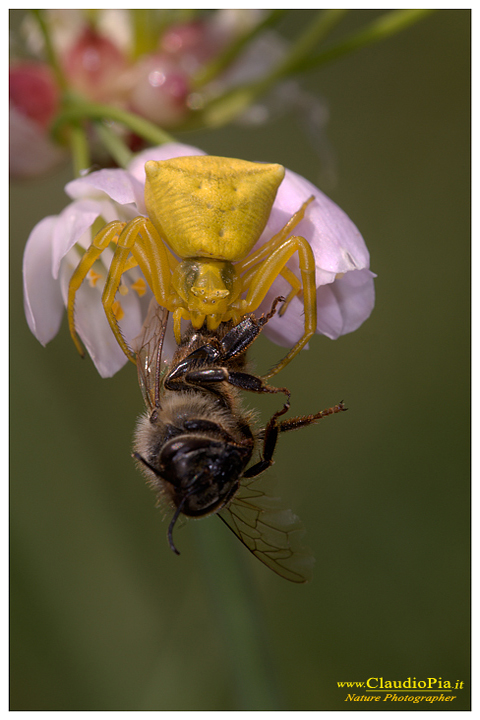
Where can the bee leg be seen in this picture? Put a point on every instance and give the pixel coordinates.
(204, 355)
(244, 381)
(234, 343)
(270, 438)
(304, 420)
(240, 337)
(263, 319)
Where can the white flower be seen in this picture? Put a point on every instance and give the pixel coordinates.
(345, 289)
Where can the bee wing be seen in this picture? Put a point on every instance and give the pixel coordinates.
(272, 533)
(148, 348)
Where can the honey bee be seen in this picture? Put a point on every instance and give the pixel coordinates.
(195, 442)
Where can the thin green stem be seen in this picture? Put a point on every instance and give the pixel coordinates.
(223, 109)
(80, 109)
(80, 148)
(49, 49)
(114, 144)
(147, 26)
(324, 22)
(383, 27)
(233, 50)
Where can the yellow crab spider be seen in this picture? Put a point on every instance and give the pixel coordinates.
(210, 212)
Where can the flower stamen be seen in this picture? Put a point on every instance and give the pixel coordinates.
(93, 277)
(140, 287)
(118, 310)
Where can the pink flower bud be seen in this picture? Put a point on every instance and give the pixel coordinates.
(191, 44)
(34, 101)
(94, 65)
(33, 92)
(160, 91)
(183, 38)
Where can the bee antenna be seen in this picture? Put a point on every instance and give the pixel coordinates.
(172, 524)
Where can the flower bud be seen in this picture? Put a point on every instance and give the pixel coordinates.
(94, 66)
(34, 101)
(33, 92)
(160, 91)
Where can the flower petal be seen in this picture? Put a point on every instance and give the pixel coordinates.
(119, 185)
(42, 296)
(31, 151)
(72, 223)
(92, 325)
(345, 304)
(336, 242)
(342, 306)
(284, 330)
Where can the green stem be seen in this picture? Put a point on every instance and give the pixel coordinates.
(223, 109)
(147, 28)
(237, 609)
(114, 144)
(81, 109)
(49, 49)
(233, 50)
(383, 27)
(80, 148)
(324, 22)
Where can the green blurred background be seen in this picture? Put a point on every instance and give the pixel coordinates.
(103, 615)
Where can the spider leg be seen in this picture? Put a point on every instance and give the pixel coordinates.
(155, 261)
(287, 274)
(247, 267)
(178, 314)
(99, 243)
(140, 239)
(268, 247)
(117, 268)
(264, 276)
(270, 437)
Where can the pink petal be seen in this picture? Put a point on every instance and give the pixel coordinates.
(92, 325)
(342, 306)
(336, 242)
(32, 153)
(42, 296)
(72, 223)
(119, 185)
(345, 304)
(285, 330)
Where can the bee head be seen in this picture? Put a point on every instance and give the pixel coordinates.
(202, 473)
(199, 474)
